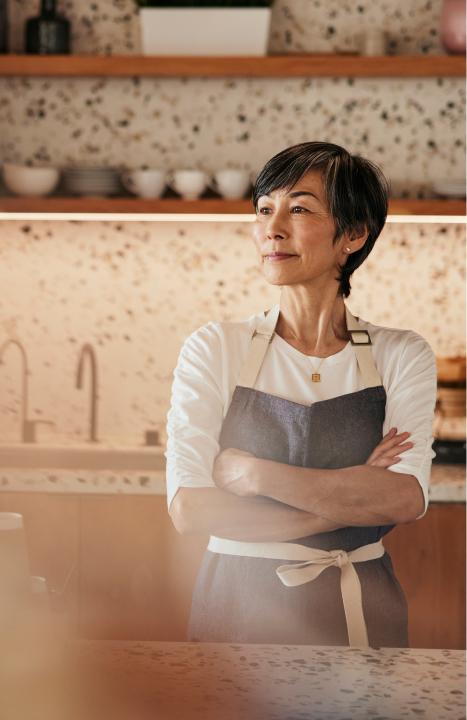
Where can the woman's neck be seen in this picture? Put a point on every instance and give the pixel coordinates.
(317, 323)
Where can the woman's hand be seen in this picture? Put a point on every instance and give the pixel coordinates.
(387, 451)
(233, 471)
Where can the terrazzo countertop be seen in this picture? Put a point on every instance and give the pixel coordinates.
(266, 682)
(447, 482)
(83, 482)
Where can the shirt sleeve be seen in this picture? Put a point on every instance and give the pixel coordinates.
(410, 407)
(195, 416)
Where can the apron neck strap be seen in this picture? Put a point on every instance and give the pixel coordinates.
(264, 333)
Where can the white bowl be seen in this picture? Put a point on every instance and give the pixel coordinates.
(30, 181)
(148, 183)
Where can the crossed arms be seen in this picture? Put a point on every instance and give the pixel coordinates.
(259, 505)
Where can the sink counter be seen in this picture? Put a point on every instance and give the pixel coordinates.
(269, 682)
(86, 456)
(447, 481)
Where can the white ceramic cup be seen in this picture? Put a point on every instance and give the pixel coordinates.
(145, 183)
(231, 184)
(188, 183)
(373, 42)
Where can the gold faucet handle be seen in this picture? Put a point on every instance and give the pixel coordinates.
(29, 429)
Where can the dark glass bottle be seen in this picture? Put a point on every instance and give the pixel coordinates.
(49, 33)
(3, 26)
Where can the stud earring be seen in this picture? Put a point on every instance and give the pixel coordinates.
(348, 249)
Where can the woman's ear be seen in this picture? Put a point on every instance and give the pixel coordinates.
(358, 238)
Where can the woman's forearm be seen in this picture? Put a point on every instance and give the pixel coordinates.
(357, 495)
(218, 512)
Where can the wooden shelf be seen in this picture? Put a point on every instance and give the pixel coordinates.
(203, 205)
(329, 65)
(434, 206)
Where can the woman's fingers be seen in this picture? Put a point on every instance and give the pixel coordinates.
(391, 444)
(386, 452)
(393, 451)
(391, 455)
(405, 445)
(391, 440)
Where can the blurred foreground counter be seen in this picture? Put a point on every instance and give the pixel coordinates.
(219, 681)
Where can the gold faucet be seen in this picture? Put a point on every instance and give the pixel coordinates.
(88, 350)
(28, 427)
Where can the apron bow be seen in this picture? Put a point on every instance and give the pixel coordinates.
(294, 574)
(312, 562)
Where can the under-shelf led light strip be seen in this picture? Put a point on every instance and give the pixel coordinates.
(200, 217)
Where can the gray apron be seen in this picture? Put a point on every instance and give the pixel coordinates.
(239, 597)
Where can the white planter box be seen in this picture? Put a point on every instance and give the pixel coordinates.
(205, 31)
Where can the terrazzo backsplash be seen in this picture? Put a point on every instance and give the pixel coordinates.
(112, 26)
(412, 127)
(135, 290)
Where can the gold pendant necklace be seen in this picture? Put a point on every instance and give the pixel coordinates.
(316, 377)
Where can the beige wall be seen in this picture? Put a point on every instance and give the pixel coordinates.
(136, 290)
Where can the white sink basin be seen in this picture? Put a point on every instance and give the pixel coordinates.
(82, 457)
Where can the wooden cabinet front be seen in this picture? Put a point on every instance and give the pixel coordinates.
(429, 560)
(135, 574)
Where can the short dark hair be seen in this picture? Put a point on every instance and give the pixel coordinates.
(356, 192)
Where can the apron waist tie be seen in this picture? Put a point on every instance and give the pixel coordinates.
(312, 563)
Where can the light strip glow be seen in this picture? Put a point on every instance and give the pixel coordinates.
(200, 217)
(439, 219)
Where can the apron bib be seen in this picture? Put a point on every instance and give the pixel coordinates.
(344, 590)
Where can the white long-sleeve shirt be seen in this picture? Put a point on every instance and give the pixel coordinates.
(208, 369)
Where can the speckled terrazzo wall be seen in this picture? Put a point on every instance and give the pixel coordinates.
(136, 290)
(414, 127)
(111, 26)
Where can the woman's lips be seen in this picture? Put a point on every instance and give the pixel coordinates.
(277, 258)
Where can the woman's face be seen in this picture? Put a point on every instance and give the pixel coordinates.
(298, 222)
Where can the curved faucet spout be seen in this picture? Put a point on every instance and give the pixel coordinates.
(24, 400)
(88, 351)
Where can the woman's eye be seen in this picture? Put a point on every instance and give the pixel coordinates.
(296, 207)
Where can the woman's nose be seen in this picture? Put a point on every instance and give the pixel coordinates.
(275, 227)
(275, 232)
(275, 235)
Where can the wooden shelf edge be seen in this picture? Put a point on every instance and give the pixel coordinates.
(294, 65)
(50, 205)
(435, 206)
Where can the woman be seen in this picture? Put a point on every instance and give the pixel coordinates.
(287, 432)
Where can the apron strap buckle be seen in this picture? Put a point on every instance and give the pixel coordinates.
(263, 335)
(363, 340)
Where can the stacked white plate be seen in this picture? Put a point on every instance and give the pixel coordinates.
(450, 188)
(91, 181)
